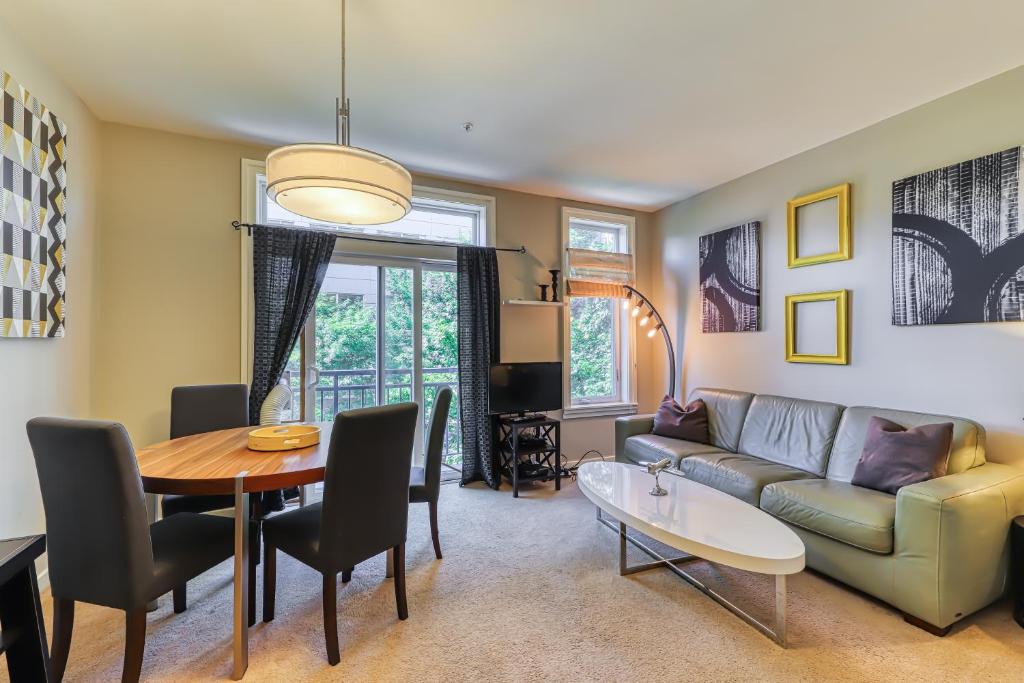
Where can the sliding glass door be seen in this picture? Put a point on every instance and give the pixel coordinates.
(382, 332)
(440, 353)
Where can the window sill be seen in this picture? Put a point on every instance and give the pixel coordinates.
(599, 410)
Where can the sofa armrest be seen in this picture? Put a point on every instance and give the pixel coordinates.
(628, 426)
(952, 541)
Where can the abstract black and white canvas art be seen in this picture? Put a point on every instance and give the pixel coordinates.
(957, 247)
(730, 279)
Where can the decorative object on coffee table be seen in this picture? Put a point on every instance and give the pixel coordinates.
(730, 279)
(543, 292)
(655, 468)
(554, 284)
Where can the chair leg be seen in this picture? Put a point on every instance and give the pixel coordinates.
(433, 529)
(403, 607)
(269, 581)
(180, 598)
(134, 645)
(331, 617)
(255, 527)
(346, 576)
(63, 624)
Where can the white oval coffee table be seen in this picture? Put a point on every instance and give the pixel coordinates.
(700, 521)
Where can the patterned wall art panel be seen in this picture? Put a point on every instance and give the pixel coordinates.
(730, 279)
(957, 247)
(33, 228)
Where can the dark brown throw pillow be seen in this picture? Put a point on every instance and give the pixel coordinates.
(895, 457)
(689, 423)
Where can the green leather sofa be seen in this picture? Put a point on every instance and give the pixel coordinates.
(937, 550)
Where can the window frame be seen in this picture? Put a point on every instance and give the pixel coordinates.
(624, 402)
(251, 212)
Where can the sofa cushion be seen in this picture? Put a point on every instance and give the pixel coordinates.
(895, 457)
(853, 515)
(791, 431)
(738, 475)
(651, 448)
(689, 422)
(966, 451)
(726, 412)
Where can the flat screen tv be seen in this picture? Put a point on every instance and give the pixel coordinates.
(525, 387)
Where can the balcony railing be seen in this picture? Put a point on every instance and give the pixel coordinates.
(340, 390)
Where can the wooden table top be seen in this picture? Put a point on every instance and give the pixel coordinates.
(206, 464)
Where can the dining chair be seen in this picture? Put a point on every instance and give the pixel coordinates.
(197, 410)
(105, 552)
(425, 482)
(364, 511)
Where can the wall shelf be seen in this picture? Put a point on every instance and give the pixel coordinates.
(528, 302)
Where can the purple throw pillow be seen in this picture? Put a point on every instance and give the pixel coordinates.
(689, 423)
(894, 456)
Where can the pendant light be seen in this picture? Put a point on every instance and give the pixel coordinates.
(339, 183)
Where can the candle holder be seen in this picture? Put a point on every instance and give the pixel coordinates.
(554, 284)
(543, 292)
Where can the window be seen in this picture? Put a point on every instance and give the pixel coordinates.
(598, 372)
(383, 329)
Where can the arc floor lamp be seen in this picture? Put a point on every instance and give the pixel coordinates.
(656, 323)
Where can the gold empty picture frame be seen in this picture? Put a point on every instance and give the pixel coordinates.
(841, 299)
(841, 193)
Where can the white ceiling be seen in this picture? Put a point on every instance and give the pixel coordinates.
(628, 102)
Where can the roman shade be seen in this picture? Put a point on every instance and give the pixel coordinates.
(598, 273)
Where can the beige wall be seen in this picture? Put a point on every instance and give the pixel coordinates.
(49, 376)
(169, 279)
(976, 371)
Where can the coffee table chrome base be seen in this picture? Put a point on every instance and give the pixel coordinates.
(777, 632)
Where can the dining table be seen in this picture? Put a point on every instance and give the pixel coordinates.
(221, 463)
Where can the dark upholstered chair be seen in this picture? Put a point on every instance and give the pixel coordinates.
(425, 482)
(364, 512)
(106, 552)
(209, 408)
(201, 409)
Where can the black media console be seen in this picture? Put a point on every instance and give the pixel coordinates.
(529, 449)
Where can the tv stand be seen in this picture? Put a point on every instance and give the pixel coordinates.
(529, 449)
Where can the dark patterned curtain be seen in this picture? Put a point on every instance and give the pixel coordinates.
(288, 268)
(479, 314)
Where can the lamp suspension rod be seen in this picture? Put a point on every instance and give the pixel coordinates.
(238, 225)
(342, 111)
(664, 333)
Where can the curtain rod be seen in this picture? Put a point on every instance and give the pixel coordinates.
(237, 225)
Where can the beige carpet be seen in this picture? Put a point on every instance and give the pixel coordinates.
(529, 591)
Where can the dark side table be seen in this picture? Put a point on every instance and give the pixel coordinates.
(1017, 569)
(530, 450)
(22, 632)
